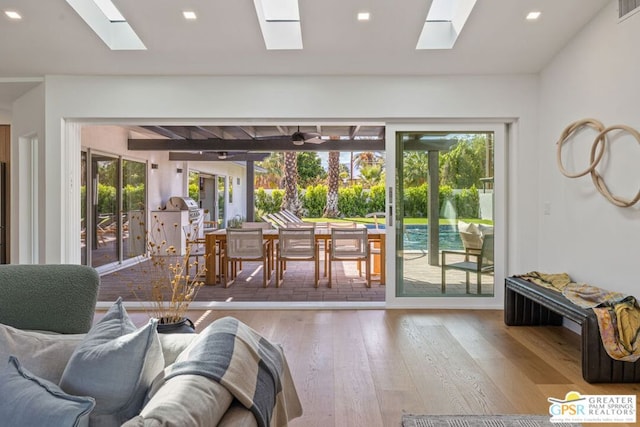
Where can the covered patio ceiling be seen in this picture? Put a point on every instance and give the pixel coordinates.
(246, 143)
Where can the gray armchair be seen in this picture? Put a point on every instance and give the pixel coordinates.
(50, 297)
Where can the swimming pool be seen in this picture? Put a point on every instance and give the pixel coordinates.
(416, 237)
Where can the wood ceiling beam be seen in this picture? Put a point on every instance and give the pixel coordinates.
(256, 145)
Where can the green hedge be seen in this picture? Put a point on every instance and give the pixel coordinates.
(355, 201)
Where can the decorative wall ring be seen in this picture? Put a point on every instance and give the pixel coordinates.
(569, 131)
(597, 151)
(598, 180)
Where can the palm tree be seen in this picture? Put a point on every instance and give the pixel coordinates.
(274, 166)
(333, 181)
(291, 201)
(416, 167)
(367, 158)
(371, 175)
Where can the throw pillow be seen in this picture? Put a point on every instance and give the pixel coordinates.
(468, 227)
(115, 364)
(31, 401)
(44, 355)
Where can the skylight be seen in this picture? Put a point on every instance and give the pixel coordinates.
(108, 23)
(110, 10)
(280, 23)
(444, 23)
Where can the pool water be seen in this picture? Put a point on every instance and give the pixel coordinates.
(417, 236)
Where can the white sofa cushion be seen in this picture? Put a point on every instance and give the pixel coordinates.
(44, 354)
(115, 363)
(31, 401)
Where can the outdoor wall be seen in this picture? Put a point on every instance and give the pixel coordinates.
(595, 76)
(163, 182)
(239, 201)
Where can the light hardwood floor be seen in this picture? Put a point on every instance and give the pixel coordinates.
(368, 367)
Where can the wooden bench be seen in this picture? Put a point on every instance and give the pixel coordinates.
(528, 304)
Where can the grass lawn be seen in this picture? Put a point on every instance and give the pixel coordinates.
(407, 221)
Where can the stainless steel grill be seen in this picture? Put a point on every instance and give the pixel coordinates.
(179, 203)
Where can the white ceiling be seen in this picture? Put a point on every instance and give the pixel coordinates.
(226, 39)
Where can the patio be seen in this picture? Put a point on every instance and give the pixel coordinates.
(419, 278)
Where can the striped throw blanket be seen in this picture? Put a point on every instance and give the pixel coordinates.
(254, 370)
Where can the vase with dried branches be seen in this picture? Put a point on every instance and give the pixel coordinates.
(169, 280)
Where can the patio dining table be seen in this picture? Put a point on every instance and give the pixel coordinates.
(217, 238)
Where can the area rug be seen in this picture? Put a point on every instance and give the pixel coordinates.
(481, 421)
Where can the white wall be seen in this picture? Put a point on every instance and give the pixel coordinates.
(28, 236)
(595, 76)
(5, 117)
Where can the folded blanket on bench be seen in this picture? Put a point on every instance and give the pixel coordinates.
(618, 314)
(253, 369)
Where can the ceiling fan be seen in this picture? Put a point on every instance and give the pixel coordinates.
(301, 138)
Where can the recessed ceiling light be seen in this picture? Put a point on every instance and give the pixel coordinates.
(189, 15)
(532, 16)
(12, 14)
(364, 16)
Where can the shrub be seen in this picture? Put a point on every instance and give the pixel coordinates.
(267, 203)
(314, 200)
(467, 203)
(415, 201)
(376, 201)
(352, 201)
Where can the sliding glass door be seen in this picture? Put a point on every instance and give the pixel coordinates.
(444, 197)
(105, 174)
(112, 210)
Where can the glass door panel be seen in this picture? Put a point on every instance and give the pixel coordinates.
(133, 208)
(222, 201)
(105, 210)
(445, 221)
(83, 208)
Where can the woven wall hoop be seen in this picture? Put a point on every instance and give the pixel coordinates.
(598, 148)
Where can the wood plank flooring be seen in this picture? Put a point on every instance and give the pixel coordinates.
(368, 367)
